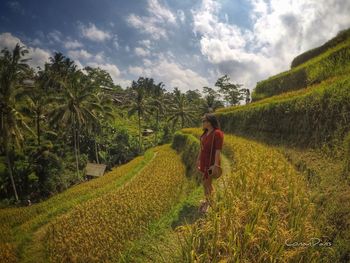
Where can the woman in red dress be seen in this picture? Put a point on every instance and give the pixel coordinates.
(211, 127)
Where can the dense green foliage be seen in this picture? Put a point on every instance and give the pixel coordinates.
(233, 93)
(53, 122)
(56, 119)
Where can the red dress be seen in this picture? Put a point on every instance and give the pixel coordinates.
(205, 142)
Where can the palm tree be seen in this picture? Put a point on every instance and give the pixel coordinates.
(140, 104)
(181, 110)
(12, 70)
(56, 72)
(211, 100)
(36, 101)
(105, 112)
(160, 102)
(76, 107)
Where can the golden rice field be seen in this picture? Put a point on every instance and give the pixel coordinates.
(261, 210)
(18, 224)
(99, 229)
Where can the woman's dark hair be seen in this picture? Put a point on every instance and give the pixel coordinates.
(210, 117)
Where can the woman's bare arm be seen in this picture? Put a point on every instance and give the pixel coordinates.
(217, 157)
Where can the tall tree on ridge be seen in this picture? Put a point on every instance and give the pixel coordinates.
(181, 110)
(13, 67)
(231, 92)
(211, 100)
(139, 104)
(160, 103)
(76, 108)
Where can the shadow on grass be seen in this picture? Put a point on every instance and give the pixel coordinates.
(188, 215)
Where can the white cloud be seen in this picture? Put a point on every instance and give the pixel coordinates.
(84, 55)
(181, 15)
(139, 51)
(36, 42)
(100, 57)
(79, 54)
(160, 12)
(147, 62)
(72, 44)
(147, 25)
(281, 30)
(136, 71)
(110, 68)
(38, 56)
(93, 33)
(115, 42)
(54, 36)
(166, 70)
(114, 71)
(154, 24)
(8, 40)
(146, 43)
(79, 65)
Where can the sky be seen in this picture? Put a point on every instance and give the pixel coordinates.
(184, 44)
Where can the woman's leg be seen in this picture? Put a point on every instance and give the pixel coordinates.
(208, 187)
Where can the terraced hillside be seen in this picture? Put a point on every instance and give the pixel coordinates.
(94, 220)
(268, 205)
(305, 115)
(147, 211)
(262, 206)
(284, 195)
(330, 60)
(310, 117)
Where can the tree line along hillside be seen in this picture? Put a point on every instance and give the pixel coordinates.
(57, 118)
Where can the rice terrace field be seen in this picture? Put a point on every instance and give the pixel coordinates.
(284, 194)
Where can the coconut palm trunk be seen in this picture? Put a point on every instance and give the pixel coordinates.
(139, 132)
(78, 140)
(38, 127)
(75, 146)
(11, 175)
(8, 161)
(96, 152)
(157, 127)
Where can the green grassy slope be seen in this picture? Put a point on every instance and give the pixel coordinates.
(302, 58)
(312, 117)
(331, 62)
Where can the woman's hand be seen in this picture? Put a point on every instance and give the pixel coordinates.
(198, 164)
